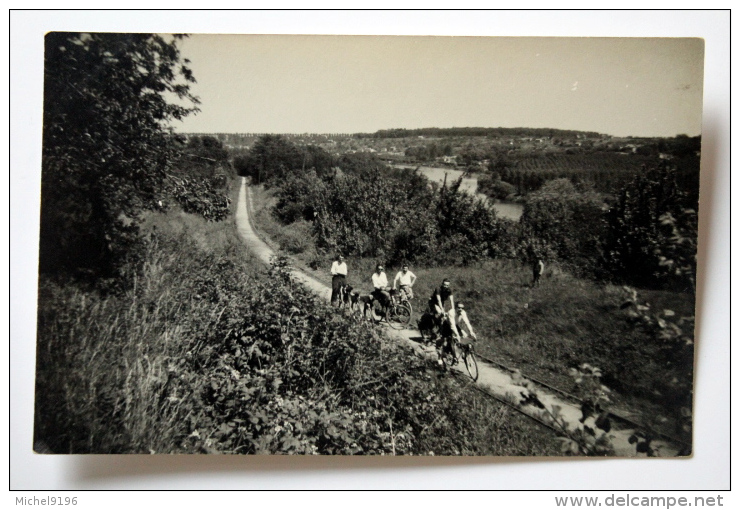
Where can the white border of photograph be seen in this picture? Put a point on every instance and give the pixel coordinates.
(707, 469)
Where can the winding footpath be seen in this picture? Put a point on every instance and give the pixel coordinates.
(491, 379)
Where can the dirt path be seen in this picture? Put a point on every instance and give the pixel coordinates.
(493, 379)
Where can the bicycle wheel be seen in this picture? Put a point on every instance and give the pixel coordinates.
(471, 363)
(398, 316)
(406, 302)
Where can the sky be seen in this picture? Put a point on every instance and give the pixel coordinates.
(348, 84)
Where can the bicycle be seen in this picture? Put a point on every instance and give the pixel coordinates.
(398, 315)
(458, 352)
(400, 312)
(397, 312)
(404, 299)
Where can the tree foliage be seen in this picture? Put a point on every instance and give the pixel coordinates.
(652, 232)
(206, 149)
(495, 188)
(569, 221)
(273, 158)
(365, 208)
(108, 99)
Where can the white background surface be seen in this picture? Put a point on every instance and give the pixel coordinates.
(708, 469)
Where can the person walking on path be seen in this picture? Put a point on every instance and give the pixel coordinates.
(338, 278)
(406, 280)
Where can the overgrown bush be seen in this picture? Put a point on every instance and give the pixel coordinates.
(570, 222)
(391, 214)
(652, 232)
(495, 188)
(201, 196)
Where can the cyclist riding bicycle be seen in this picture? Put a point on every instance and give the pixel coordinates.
(406, 280)
(448, 335)
(437, 302)
(462, 320)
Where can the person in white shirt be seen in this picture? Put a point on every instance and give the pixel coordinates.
(338, 278)
(405, 279)
(380, 286)
(462, 320)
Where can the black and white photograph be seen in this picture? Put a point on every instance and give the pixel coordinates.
(399, 246)
(369, 245)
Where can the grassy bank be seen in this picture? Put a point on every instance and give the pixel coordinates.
(104, 363)
(210, 351)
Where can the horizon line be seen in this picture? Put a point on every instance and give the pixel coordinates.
(424, 128)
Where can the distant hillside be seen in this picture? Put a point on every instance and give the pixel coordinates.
(480, 131)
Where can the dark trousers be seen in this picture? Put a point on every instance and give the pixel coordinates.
(337, 281)
(381, 296)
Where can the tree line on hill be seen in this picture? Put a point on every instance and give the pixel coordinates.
(477, 131)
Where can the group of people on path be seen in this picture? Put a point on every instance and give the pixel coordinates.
(441, 303)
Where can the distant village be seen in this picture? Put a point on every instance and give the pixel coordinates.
(457, 151)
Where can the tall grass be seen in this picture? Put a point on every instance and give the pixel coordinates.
(562, 323)
(105, 363)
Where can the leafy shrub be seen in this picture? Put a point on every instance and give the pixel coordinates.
(570, 222)
(201, 196)
(674, 337)
(297, 237)
(398, 217)
(495, 188)
(652, 231)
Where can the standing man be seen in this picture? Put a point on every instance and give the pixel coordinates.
(406, 279)
(537, 269)
(338, 278)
